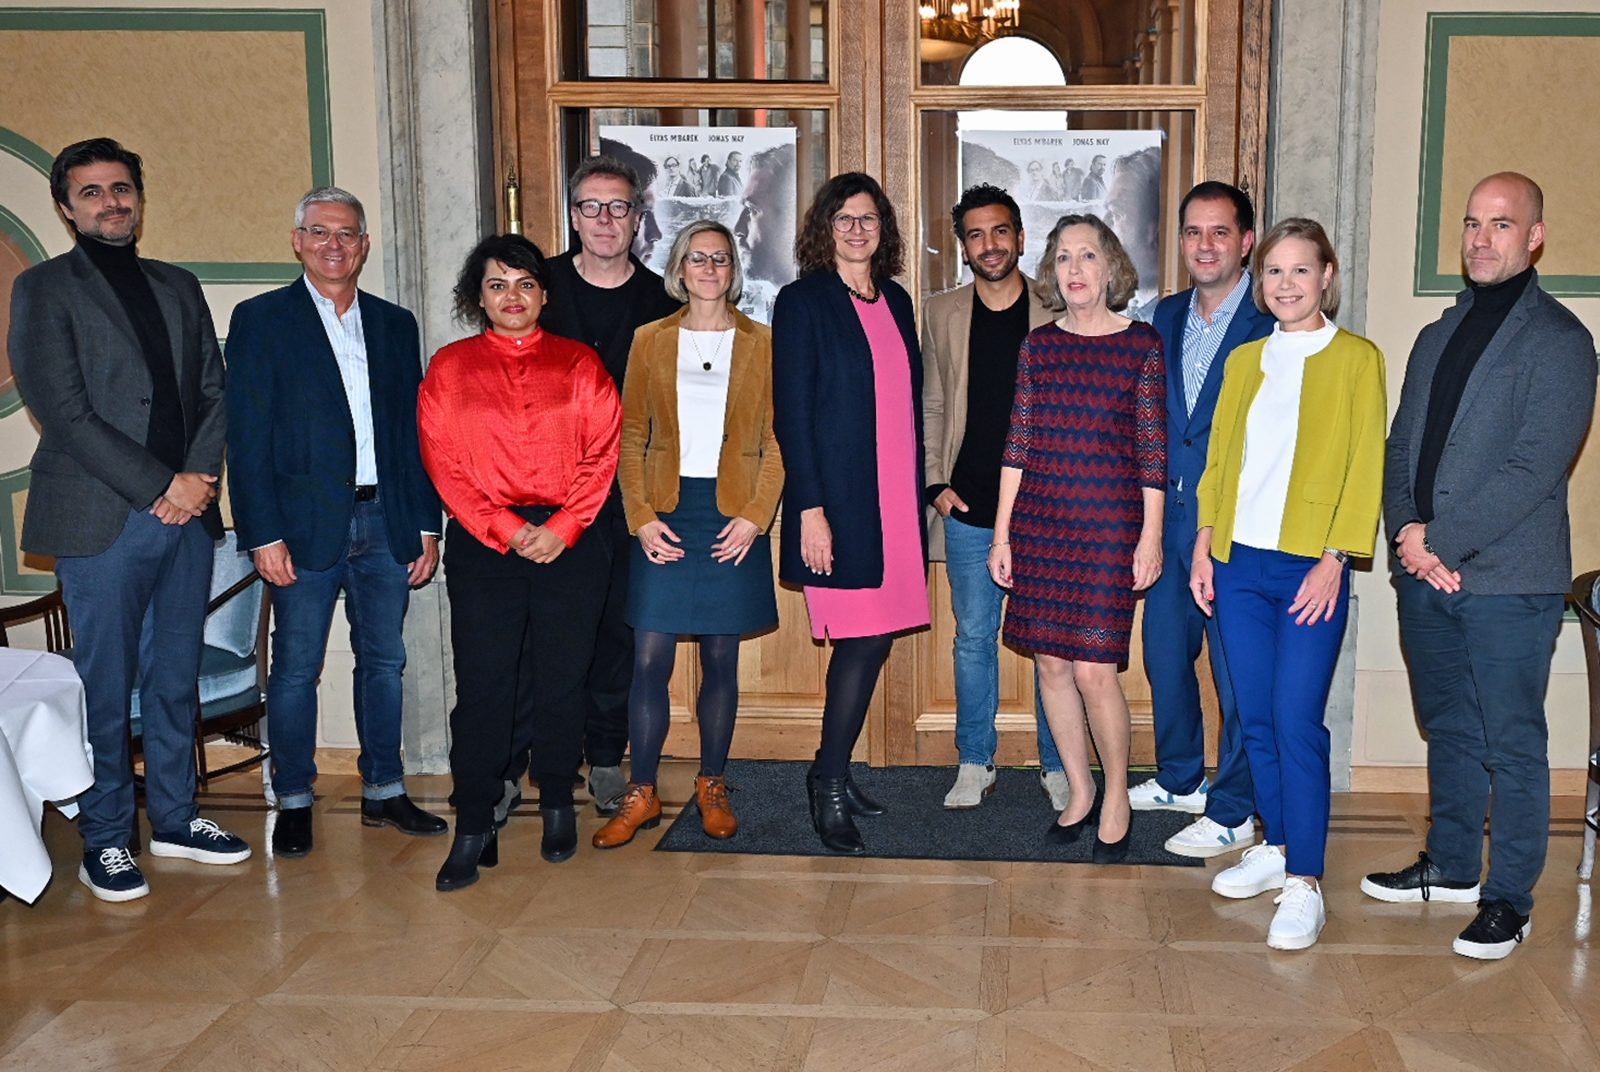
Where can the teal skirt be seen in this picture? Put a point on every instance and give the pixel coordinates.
(697, 595)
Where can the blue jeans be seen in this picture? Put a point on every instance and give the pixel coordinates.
(138, 612)
(1173, 629)
(1281, 676)
(977, 602)
(1480, 666)
(377, 592)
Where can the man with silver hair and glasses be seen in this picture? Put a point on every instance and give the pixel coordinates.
(329, 495)
(599, 294)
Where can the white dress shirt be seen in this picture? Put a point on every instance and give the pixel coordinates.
(349, 344)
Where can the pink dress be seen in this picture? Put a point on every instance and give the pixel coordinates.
(901, 602)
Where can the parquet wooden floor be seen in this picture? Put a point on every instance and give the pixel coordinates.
(348, 961)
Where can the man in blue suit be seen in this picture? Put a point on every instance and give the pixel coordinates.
(329, 494)
(1199, 327)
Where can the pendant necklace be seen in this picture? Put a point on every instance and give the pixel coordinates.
(705, 362)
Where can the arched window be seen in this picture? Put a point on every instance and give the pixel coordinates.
(1013, 61)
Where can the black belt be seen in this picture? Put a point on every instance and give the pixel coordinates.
(366, 492)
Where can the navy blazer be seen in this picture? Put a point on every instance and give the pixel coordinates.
(1189, 435)
(824, 404)
(291, 439)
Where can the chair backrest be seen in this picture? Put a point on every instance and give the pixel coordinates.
(1583, 600)
(237, 592)
(52, 609)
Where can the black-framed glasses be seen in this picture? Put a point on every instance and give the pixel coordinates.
(844, 222)
(698, 259)
(321, 236)
(590, 208)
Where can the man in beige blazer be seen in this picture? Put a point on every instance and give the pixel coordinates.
(970, 339)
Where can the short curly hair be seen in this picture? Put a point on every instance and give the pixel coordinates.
(813, 246)
(1122, 279)
(511, 250)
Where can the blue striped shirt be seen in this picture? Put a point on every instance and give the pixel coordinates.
(1202, 340)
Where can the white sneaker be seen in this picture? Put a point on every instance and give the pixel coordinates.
(1205, 838)
(1300, 916)
(1149, 796)
(974, 781)
(1261, 870)
(1055, 786)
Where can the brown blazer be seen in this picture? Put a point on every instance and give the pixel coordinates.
(750, 471)
(946, 327)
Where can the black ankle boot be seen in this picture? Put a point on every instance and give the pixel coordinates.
(468, 852)
(860, 803)
(560, 838)
(830, 815)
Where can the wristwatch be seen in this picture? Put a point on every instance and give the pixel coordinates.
(1340, 556)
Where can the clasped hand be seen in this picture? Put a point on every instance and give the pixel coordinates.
(185, 498)
(536, 543)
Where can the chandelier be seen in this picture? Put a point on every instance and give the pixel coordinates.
(953, 29)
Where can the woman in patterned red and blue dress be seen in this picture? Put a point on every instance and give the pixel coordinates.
(1078, 531)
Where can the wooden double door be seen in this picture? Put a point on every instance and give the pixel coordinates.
(885, 87)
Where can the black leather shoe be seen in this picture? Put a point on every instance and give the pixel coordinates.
(1113, 852)
(830, 815)
(468, 852)
(860, 803)
(291, 833)
(403, 815)
(1057, 834)
(560, 839)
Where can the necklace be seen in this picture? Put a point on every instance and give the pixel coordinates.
(876, 294)
(716, 348)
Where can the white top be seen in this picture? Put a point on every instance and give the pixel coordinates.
(702, 399)
(349, 342)
(1271, 430)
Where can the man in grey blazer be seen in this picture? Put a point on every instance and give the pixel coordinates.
(116, 358)
(1498, 396)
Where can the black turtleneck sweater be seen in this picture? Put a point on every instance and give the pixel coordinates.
(165, 437)
(1490, 305)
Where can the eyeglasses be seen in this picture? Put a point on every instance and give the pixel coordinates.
(321, 236)
(844, 222)
(698, 259)
(590, 208)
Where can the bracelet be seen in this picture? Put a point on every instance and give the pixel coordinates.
(1002, 543)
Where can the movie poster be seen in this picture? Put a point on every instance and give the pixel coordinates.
(742, 177)
(1114, 174)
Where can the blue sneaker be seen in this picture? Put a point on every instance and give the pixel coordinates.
(202, 841)
(111, 875)
(1149, 796)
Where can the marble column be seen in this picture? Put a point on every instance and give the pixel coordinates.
(1319, 149)
(435, 122)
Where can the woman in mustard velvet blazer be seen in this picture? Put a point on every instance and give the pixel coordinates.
(1293, 487)
(701, 474)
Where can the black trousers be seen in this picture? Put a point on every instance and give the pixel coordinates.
(523, 635)
(605, 736)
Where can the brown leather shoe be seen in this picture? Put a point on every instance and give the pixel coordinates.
(640, 810)
(716, 817)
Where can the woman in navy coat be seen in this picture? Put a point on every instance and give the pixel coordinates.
(847, 407)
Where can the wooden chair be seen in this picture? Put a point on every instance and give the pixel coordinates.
(52, 609)
(1582, 596)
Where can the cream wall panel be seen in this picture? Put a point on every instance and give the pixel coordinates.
(1385, 729)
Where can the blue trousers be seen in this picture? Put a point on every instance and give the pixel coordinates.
(1173, 630)
(1281, 676)
(138, 612)
(1480, 666)
(977, 603)
(377, 593)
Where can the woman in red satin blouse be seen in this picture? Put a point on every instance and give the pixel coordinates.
(520, 434)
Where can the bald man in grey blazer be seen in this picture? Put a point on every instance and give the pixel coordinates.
(1498, 396)
(116, 358)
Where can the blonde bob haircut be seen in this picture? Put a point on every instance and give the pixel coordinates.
(680, 250)
(1311, 231)
(1122, 278)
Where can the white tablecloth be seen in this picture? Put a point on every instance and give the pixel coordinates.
(44, 755)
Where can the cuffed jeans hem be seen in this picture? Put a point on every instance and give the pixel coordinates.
(299, 798)
(979, 760)
(386, 791)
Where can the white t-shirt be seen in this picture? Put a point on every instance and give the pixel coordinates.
(1271, 431)
(702, 399)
